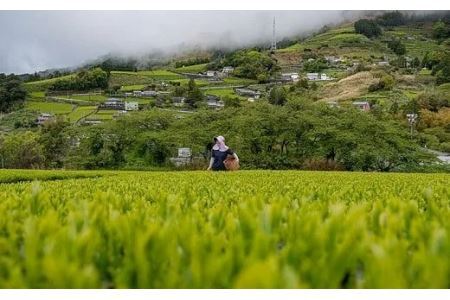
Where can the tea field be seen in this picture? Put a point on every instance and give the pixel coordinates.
(247, 229)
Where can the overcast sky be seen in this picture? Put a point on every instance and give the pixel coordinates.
(38, 40)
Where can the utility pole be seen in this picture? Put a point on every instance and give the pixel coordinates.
(274, 38)
(412, 119)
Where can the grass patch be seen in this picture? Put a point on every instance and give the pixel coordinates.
(49, 107)
(193, 69)
(130, 88)
(80, 112)
(43, 85)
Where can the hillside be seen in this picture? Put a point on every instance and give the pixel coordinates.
(402, 70)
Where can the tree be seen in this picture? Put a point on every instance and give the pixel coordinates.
(368, 28)
(399, 62)
(302, 83)
(315, 66)
(394, 18)
(441, 30)
(432, 101)
(415, 63)
(252, 64)
(231, 101)
(21, 150)
(83, 80)
(397, 47)
(442, 69)
(12, 92)
(179, 91)
(277, 96)
(194, 94)
(54, 142)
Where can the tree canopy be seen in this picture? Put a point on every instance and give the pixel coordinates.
(83, 80)
(367, 27)
(12, 92)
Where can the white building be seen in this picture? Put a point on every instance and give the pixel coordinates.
(215, 104)
(211, 73)
(362, 105)
(137, 93)
(332, 104)
(178, 101)
(317, 76)
(248, 93)
(290, 77)
(227, 70)
(312, 76)
(43, 118)
(324, 76)
(128, 94)
(333, 59)
(184, 152)
(149, 93)
(131, 106)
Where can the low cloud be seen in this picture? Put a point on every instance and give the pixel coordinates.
(38, 40)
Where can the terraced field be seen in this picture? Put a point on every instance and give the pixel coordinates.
(49, 107)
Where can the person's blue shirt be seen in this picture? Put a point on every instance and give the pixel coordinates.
(219, 157)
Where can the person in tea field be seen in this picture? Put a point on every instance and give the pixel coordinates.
(222, 157)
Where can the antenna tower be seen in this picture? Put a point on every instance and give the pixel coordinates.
(274, 38)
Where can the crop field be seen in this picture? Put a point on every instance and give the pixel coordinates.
(193, 68)
(103, 115)
(128, 79)
(185, 81)
(130, 88)
(247, 229)
(49, 107)
(444, 88)
(93, 97)
(42, 85)
(223, 92)
(80, 112)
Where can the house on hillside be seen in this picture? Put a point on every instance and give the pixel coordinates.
(43, 117)
(149, 93)
(178, 101)
(214, 102)
(383, 63)
(92, 122)
(119, 113)
(184, 157)
(333, 60)
(248, 93)
(332, 104)
(128, 94)
(184, 152)
(137, 93)
(228, 70)
(113, 103)
(317, 76)
(212, 73)
(362, 105)
(324, 76)
(312, 76)
(215, 75)
(131, 106)
(293, 77)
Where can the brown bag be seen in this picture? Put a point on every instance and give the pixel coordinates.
(231, 164)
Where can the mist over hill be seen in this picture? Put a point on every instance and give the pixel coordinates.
(42, 40)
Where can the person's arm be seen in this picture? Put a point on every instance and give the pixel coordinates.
(211, 161)
(236, 157)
